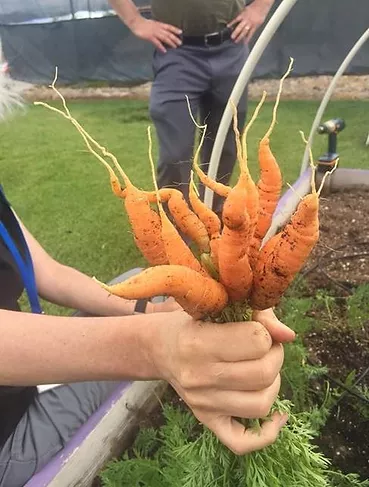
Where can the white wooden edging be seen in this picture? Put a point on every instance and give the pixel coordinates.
(111, 435)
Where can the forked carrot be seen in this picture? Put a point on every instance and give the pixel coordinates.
(245, 180)
(176, 249)
(285, 254)
(270, 182)
(198, 295)
(234, 267)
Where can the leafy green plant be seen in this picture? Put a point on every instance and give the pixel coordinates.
(189, 456)
(358, 308)
(297, 372)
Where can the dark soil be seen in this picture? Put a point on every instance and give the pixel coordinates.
(341, 259)
(339, 264)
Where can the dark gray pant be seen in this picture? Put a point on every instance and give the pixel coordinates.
(48, 425)
(207, 76)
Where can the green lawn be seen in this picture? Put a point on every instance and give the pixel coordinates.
(62, 193)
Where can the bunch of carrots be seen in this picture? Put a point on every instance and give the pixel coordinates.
(226, 271)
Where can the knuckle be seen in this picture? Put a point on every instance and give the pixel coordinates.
(262, 339)
(264, 407)
(268, 374)
(195, 401)
(187, 379)
(270, 438)
(186, 346)
(238, 449)
(217, 373)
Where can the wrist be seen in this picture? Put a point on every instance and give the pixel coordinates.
(263, 5)
(132, 21)
(150, 344)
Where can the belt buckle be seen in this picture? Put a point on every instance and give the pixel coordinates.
(210, 36)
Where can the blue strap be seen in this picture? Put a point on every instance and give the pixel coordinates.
(25, 266)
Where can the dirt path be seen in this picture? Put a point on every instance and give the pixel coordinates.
(306, 88)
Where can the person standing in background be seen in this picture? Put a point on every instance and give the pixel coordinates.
(201, 47)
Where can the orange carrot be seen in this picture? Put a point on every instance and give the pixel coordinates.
(176, 249)
(208, 217)
(212, 224)
(198, 295)
(270, 182)
(218, 188)
(145, 222)
(186, 220)
(285, 254)
(234, 268)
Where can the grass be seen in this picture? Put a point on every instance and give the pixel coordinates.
(62, 193)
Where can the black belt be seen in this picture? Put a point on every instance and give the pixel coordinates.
(208, 40)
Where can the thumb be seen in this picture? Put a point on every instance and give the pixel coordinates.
(277, 330)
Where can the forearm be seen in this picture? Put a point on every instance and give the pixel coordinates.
(40, 349)
(126, 10)
(68, 287)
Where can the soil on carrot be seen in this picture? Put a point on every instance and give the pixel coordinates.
(339, 264)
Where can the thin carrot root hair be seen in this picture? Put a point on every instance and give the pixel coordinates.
(88, 139)
(244, 164)
(217, 187)
(278, 98)
(199, 296)
(314, 167)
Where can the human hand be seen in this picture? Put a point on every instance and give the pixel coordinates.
(157, 33)
(226, 371)
(249, 20)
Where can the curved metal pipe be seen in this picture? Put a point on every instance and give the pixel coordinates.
(243, 78)
(345, 179)
(328, 94)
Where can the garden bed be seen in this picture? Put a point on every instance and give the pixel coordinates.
(335, 284)
(339, 264)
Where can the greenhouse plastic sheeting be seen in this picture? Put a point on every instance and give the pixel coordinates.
(87, 41)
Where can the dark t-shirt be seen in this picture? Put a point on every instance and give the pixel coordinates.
(197, 17)
(14, 401)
